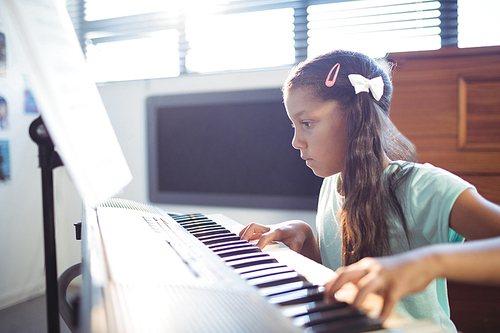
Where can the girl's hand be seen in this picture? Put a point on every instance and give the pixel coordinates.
(295, 234)
(392, 277)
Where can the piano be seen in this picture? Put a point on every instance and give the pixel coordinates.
(144, 270)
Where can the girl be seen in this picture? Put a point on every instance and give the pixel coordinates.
(375, 200)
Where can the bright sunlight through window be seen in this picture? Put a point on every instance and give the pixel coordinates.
(374, 27)
(229, 42)
(203, 39)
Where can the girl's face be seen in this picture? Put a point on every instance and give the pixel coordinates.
(320, 131)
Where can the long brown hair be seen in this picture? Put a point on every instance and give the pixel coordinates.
(371, 133)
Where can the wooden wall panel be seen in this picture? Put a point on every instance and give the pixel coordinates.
(479, 116)
(447, 102)
(474, 308)
(426, 108)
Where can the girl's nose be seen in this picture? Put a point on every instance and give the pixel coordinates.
(297, 141)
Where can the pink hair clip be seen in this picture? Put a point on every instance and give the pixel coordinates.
(330, 81)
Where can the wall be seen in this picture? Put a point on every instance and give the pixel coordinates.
(125, 103)
(21, 229)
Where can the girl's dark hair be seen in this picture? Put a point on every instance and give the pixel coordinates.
(371, 133)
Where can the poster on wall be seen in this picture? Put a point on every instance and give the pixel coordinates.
(29, 101)
(4, 161)
(4, 114)
(3, 55)
(4, 121)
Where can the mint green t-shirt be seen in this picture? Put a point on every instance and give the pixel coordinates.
(427, 196)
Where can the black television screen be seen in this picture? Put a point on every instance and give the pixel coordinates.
(226, 149)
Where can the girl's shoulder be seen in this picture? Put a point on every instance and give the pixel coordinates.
(428, 194)
(419, 172)
(425, 181)
(426, 172)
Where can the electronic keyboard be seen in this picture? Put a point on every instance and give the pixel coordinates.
(148, 271)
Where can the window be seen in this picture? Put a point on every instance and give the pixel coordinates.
(106, 9)
(374, 27)
(477, 23)
(130, 39)
(255, 39)
(152, 56)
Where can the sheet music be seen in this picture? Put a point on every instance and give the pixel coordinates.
(68, 99)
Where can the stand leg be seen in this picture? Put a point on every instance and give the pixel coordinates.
(48, 159)
(50, 253)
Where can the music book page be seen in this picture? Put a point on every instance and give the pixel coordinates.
(68, 99)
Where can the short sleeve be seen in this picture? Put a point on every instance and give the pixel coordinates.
(431, 196)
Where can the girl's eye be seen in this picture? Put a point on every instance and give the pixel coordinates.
(306, 124)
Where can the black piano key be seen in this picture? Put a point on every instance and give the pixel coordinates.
(221, 239)
(276, 279)
(327, 316)
(197, 220)
(298, 296)
(205, 228)
(258, 268)
(311, 307)
(189, 217)
(245, 256)
(251, 261)
(266, 272)
(212, 232)
(348, 325)
(216, 246)
(236, 250)
(285, 288)
(191, 226)
(209, 237)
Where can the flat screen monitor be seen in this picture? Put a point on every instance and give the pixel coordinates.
(226, 149)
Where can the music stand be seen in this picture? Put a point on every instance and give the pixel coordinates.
(48, 160)
(73, 114)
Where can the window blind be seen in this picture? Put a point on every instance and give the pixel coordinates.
(374, 26)
(129, 39)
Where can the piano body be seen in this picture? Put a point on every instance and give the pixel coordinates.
(147, 271)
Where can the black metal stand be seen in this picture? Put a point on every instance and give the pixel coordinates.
(48, 160)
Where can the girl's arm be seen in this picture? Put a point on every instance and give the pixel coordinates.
(474, 217)
(397, 276)
(297, 235)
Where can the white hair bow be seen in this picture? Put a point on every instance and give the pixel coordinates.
(361, 83)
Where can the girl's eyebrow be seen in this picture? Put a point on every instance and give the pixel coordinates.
(298, 114)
